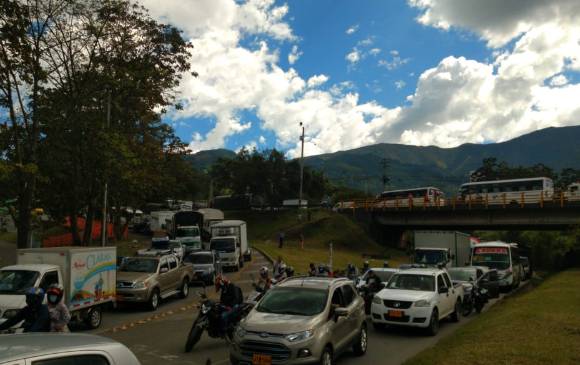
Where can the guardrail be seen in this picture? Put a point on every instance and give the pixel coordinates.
(507, 200)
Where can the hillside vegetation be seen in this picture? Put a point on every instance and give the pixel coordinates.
(351, 244)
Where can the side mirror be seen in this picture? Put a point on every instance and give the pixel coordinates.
(443, 290)
(340, 312)
(163, 270)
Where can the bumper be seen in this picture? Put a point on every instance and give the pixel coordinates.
(133, 295)
(411, 317)
(282, 352)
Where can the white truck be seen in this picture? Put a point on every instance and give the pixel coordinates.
(158, 220)
(88, 275)
(229, 239)
(417, 298)
(186, 228)
(447, 248)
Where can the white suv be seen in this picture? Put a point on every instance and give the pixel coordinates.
(417, 298)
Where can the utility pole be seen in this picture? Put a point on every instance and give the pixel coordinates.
(106, 187)
(301, 167)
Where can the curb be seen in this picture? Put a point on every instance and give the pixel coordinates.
(268, 257)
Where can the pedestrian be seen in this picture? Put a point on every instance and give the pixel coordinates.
(281, 239)
(302, 241)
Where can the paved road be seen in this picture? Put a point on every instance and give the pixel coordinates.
(162, 340)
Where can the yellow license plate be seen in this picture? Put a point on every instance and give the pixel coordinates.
(259, 359)
(396, 314)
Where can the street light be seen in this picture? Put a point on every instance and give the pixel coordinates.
(301, 167)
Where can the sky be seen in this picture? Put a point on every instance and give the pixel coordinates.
(360, 72)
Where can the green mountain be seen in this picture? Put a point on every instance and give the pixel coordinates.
(446, 168)
(203, 160)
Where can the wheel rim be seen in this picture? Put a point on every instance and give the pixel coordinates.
(327, 359)
(95, 318)
(185, 289)
(363, 340)
(154, 300)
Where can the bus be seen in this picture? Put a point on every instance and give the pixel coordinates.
(518, 191)
(503, 257)
(417, 197)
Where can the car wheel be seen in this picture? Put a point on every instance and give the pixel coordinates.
(184, 292)
(360, 347)
(456, 315)
(326, 358)
(154, 300)
(94, 318)
(433, 328)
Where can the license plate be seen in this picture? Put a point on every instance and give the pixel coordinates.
(259, 359)
(396, 314)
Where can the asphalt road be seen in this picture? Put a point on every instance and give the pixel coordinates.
(162, 339)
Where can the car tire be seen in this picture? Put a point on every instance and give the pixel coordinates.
(94, 318)
(184, 292)
(433, 328)
(379, 326)
(154, 300)
(326, 357)
(362, 341)
(456, 315)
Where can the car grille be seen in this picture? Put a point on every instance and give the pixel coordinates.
(397, 304)
(124, 284)
(403, 319)
(278, 352)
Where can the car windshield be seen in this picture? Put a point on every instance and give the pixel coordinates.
(160, 245)
(133, 264)
(462, 274)
(492, 260)
(383, 276)
(294, 301)
(17, 281)
(187, 232)
(200, 259)
(430, 257)
(223, 245)
(412, 282)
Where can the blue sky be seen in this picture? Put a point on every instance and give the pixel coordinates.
(424, 72)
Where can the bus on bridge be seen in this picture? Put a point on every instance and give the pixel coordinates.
(514, 191)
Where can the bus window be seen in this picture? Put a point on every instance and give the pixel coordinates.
(492, 257)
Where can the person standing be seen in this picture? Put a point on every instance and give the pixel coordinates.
(57, 310)
(302, 241)
(281, 239)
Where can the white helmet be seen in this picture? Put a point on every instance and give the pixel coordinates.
(263, 271)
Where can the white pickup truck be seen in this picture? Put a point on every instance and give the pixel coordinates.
(417, 298)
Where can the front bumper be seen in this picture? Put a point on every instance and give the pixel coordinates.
(282, 351)
(133, 295)
(411, 317)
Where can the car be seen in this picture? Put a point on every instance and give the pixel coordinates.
(302, 320)
(149, 279)
(204, 266)
(467, 276)
(526, 267)
(63, 348)
(417, 298)
(384, 274)
(164, 246)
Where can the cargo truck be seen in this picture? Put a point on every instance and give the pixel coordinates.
(186, 228)
(446, 248)
(88, 275)
(229, 239)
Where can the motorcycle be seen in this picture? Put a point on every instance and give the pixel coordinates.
(477, 299)
(367, 294)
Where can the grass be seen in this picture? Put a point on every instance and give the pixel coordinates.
(8, 237)
(350, 242)
(541, 326)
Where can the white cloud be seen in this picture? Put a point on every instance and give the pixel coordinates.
(352, 29)
(294, 55)
(353, 57)
(399, 84)
(250, 146)
(394, 62)
(317, 80)
(375, 51)
(262, 140)
(366, 42)
(558, 80)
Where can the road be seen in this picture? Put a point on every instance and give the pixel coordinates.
(161, 340)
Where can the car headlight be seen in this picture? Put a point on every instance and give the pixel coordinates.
(139, 285)
(299, 336)
(9, 313)
(241, 332)
(422, 303)
(377, 300)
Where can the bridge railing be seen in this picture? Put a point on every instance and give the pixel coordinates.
(506, 200)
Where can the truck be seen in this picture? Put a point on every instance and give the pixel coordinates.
(446, 248)
(87, 274)
(186, 228)
(158, 220)
(229, 239)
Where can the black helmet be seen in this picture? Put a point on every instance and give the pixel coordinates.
(34, 297)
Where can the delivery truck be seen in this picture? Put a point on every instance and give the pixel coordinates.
(87, 274)
(229, 239)
(447, 248)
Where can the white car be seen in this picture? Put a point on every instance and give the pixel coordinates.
(164, 246)
(417, 298)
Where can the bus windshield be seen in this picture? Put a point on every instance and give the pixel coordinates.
(492, 257)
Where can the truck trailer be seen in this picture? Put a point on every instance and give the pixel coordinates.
(447, 248)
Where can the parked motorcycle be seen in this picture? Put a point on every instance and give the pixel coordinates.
(476, 299)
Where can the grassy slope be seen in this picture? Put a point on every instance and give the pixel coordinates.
(349, 240)
(538, 327)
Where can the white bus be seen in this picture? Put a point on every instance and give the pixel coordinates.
(504, 257)
(573, 192)
(417, 197)
(520, 191)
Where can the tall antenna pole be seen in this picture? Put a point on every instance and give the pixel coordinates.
(301, 167)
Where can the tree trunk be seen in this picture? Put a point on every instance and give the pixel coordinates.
(74, 228)
(25, 199)
(88, 234)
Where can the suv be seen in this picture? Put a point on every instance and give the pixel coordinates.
(417, 298)
(150, 279)
(302, 320)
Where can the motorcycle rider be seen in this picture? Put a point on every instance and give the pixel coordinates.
(231, 298)
(59, 313)
(312, 270)
(264, 283)
(289, 271)
(34, 314)
(366, 267)
(373, 282)
(281, 274)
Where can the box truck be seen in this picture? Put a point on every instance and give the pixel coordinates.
(447, 248)
(229, 239)
(87, 274)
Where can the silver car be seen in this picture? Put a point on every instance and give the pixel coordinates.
(302, 320)
(61, 348)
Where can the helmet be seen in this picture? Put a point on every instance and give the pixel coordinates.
(282, 268)
(385, 264)
(54, 293)
(366, 264)
(220, 282)
(264, 272)
(34, 297)
(289, 271)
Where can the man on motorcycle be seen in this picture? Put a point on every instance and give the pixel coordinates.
(365, 268)
(281, 274)
(312, 270)
(35, 314)
(373, 282)
(230, 298)
(264, 283)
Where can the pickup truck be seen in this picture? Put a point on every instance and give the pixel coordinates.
(150, 279)
(417, 298)
(164, 246)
